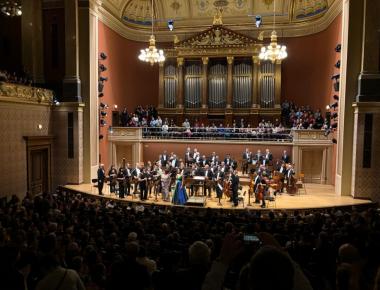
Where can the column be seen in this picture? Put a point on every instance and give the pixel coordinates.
(277, 84)
(71, 82)
(32, 40)
(161, 85)
(230, 62)
(255, 82)
(366, 139)
(88, 69)
(352, 19)
(180, 89)
(204, 82)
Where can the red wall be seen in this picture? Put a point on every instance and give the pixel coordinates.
(306, 73)
(130, 81)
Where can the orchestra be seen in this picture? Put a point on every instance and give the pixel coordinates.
(203, 175)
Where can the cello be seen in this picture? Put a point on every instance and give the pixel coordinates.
(227, 187)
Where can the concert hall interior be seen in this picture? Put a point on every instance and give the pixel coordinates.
(189, 108)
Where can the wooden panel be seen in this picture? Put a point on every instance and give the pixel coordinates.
(124, 151)
(312, 165)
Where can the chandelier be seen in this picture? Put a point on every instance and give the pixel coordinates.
(273, 51)
(152, 54)
(11, 8)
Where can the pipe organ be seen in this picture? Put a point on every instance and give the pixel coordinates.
(218, 73)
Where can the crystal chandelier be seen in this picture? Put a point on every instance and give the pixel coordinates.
(11, 8)
(273, 51)
(152, 54)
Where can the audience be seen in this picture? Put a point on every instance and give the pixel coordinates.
(22, 79)
(301, 117)
(78, 242)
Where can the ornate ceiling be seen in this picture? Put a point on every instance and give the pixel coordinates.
(132, 18)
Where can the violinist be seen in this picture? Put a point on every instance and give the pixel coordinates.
(256, 183)
(208, 179)
(283, 173)
(112, 173)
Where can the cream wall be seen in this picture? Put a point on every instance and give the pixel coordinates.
(18, 120)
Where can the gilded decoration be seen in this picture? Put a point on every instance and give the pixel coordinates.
(25, 94)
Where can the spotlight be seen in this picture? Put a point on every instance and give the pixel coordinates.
(337, 65)
(101, 95)
(115, 106)
(101, 136)
(334, 115)
(55, 102)
(334, 126)
(335, 77)
(103, 79)
(103, 122)
(103, 106)
(102, 67)
(103, 56)
(103, 114)
(258, 20)
(336, 97)
(171, 24)
(334, 141)
(338, 48)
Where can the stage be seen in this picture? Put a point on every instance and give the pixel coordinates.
(313, 197)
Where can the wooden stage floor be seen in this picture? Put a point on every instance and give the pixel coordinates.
(316, 196)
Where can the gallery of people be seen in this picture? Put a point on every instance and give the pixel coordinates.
(190, 144)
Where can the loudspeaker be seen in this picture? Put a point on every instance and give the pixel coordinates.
(336, 86)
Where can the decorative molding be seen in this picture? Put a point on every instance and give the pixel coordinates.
(15, 93)
(295, 28)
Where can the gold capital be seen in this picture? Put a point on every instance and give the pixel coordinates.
(230, 59)
(205, 60)
(180, 61)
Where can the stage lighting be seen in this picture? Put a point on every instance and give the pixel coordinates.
(334, 141)
(337, 65)
(101, 137)
(334, 115)
(102, 67)
(103, 106)
(334, 126)
(103, 114)
(336, 97)
(171, 24)
(115, 106)
(332, 106)
(103, 122)
(103, 56)
(100, 87)
(103, 79)
(338, 48)
(258, 20)
(101, 95)
(335, 77)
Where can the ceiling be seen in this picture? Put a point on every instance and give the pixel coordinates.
(196, 15)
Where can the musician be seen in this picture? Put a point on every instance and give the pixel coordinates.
(285, 157)
(127, 179)
(267, 160)
(143, 184)
(101, 178)
(164, 158)
(228, 161)
(204, 161)
(112, 173)
(219, 190)
(174, 161)
(121, 181)
(135, 175)
(188, 157)
(235, 187)
(256, 183)
(265, 186)
(246, 158)
(197, 158)
(290, 172)
(284, 172)
(208, 178)
(213, 158)
(258, 156)
(219, 174)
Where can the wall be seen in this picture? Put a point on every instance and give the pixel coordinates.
(10, 43)
(130, 81)
(306, 73)
(18, 120)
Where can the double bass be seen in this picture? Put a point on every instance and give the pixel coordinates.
(291, 185)
(227, 187)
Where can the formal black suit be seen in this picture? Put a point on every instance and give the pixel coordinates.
(143, 185)
(285, 158)
(246, 158)
(164, 159)
(121, 180)
(207, 187)
(101, 179)
(235, 188)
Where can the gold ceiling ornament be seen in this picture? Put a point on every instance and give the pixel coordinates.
(218, 17)
(273, 51)
(152, 54)
(268, 3)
